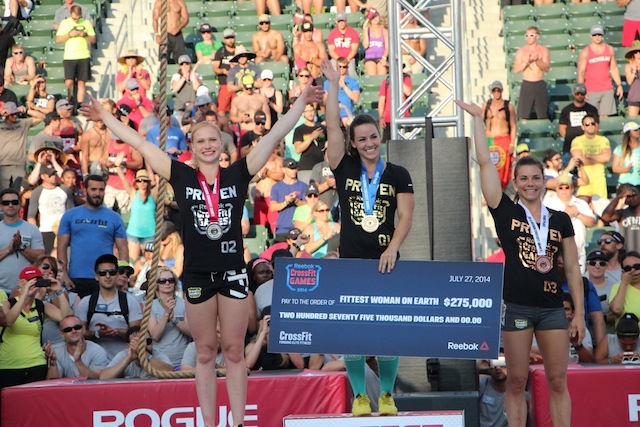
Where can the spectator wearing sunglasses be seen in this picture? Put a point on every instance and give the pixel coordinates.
(621, 347)
(627, 217)
(20, 242)
(625, 296)
(596, 268)
(106, 322)
(168, 324)
(74, 357)
(594, 151)
(126, 363)
(578, 210)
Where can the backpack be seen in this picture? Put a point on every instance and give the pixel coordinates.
(507, 113)
(39, 309)
(13, 27)
(122, 300)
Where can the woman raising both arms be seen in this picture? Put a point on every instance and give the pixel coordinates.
(532, 237)
(367, 228)
(215, 277)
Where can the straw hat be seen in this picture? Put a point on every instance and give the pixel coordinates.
(635, 47)
(128, 53)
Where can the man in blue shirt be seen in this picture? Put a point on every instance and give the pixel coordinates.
(89, 230)
(176, 142)
(348, 92)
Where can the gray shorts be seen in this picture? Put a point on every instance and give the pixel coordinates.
(517, 317)
(604, 101)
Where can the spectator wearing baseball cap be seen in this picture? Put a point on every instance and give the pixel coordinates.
(221, 67)
(597, 262)
(286, 195)
(14, 133)
(343, 42)
(206, 49)
(274, 96)
(570, 121)
(303, 214)
(47, 135)
(185, 83)
(251, 138)
(626, 156)
(597, 66)
(23, 359)
(140, 105)
(131, 68)
(267, 43)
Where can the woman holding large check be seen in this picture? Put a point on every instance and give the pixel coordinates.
(532, 237)
(371, 192)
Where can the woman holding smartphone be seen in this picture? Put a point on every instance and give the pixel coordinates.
(367, 218)
(215, 279)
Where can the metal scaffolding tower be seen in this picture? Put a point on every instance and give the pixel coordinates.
(442, 79)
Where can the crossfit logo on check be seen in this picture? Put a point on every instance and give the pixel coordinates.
(303, 277)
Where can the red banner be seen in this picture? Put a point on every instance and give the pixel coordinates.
(169, 403)
(601, 395)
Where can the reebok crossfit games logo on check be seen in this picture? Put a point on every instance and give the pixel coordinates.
(303, 277)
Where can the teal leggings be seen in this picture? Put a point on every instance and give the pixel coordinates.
(387, 367)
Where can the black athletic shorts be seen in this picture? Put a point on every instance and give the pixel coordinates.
(199, 287)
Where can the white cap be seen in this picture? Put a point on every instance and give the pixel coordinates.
(266, 74)
(630, 126)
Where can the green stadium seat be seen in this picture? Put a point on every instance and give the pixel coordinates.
(245, 23)
(561, 58)
(217, 23)
(576, 10)
(40, 28)
(610, 9)
(53, 57)
(324, 20)
(611, 125)
(612, 23)
(243, 38)
(613, 37)
(614, 141)
(368, 100)
(550, 26)
(556, 41)
(584, 24)
(373, 83)
(247, 9)
(554, 10)
(560, 92)
(555, 108)
(517, 28)
(521, 12)
(54, 74)
(566, 74)
(538, 145)
(281, 23)
(534, 128)
(44, 12)
(217, 8)
(36, 43)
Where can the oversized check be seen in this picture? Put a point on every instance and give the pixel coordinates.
(422, 308)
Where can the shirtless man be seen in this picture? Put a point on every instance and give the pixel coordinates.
(411, 64)
(93, 144)
(308, 53)
(177, 19)
(268, 44)
(271, 173)
(501, 130)
(245, 105)
(532, 61)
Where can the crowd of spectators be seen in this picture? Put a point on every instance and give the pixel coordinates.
(78, 204)
(87, 192)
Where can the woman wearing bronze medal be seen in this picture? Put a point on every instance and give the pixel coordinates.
(371, 192)
(532, 237)
(215, 280)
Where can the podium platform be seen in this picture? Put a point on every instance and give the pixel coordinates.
(403, 419)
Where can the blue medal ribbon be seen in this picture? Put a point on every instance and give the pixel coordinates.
(370, 188)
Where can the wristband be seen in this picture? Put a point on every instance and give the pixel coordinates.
(295, 245)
